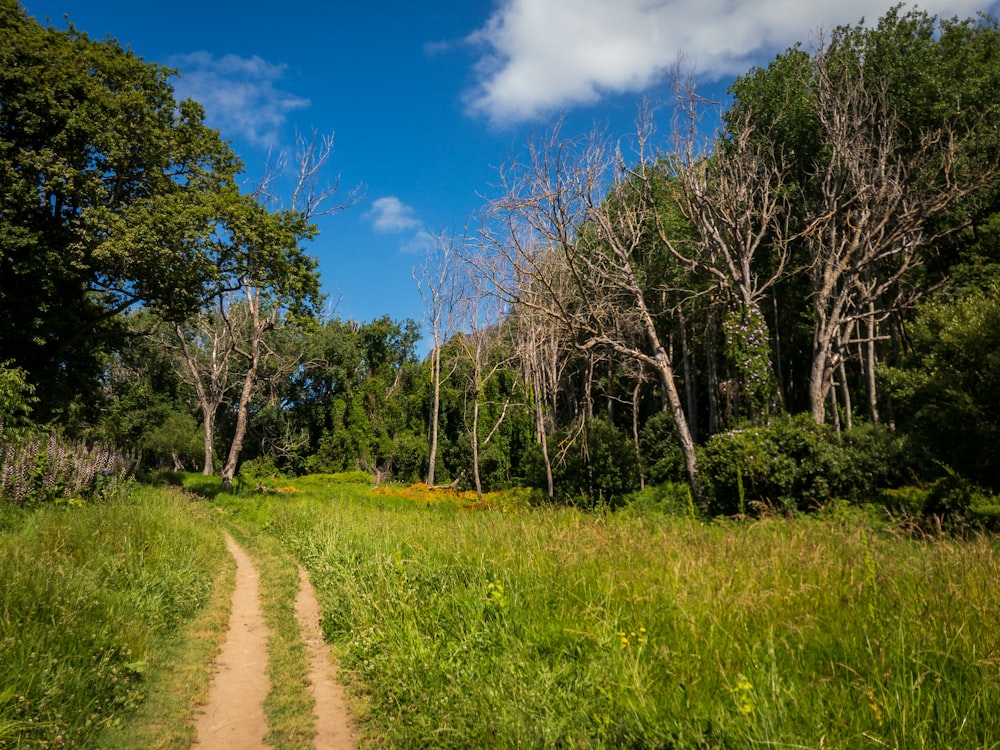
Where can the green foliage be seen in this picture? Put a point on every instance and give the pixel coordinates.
(669, 498)
(661, 449)
(949, 504)
(792, 464)
(16, 399)
(946, 393)
(255, 470)
(789, 464)
(748, 354)
(178, 437)
(592, 465)
(362, 402)
(91, 599)
(100, 169)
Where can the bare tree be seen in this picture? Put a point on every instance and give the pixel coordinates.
(435, 280)
(732, 186)
(569, 238)
(484, 349)
(540, 352)
(875, 196)
(201, 350)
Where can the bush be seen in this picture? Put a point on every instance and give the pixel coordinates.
(790, 464)
(874, 457)
(663, 460)
(669, 498)
(592, 465)
(951, 504)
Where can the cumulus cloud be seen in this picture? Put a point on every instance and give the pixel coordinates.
(543, 55)
(240, 94)
(389, 215)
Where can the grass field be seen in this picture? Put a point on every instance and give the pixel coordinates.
(497, 626)
(463, 624)
(94, 600)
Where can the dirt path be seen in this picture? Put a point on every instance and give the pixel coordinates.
(333, 724)
(234, 715)
(233, 718)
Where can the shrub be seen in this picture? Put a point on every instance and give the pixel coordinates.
(874, 457)
(663, 460)
(789, 464)
(950, 504)
(669, 498)
(592, 465)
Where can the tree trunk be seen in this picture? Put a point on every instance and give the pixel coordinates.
(435, 412)
(711, 355)
(542, 438)
(635, 431)
(242, 419)
(209, 430)
(870, 362)
(845, 397)
(689, 390)
(475, 446)
(665, 371)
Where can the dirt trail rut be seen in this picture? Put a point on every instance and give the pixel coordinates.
(233, 718)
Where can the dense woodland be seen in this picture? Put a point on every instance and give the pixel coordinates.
(797, 305)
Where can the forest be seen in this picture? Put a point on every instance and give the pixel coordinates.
(773, 303)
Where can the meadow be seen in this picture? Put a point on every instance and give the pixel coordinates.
(96, 602)
(499, 625)
(496, 624)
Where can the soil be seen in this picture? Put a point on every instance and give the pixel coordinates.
(234, 716)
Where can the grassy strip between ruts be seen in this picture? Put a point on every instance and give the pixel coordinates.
(95, 602)
(553, 627)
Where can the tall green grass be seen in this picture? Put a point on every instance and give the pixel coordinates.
(90, 597)
(561, 628)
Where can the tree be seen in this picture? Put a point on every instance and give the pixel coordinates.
(569, 239)
(875, 199)
(202, 349)
(888, 138)
(109, 189)
(483, 348)
(435, 280)
(946, 391)
(734, 193)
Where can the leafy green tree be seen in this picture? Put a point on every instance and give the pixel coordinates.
(362, 398)
(109, 189)
(946, 392)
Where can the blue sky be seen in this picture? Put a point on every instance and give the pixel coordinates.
(426, 99)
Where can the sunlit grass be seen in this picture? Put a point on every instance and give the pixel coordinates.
(91, 598)
(557, 627)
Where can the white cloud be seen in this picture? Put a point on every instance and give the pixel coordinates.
(418, 244)
(389, 215)
(543, 55)
(239, 94)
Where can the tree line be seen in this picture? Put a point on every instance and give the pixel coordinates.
(797, 304)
